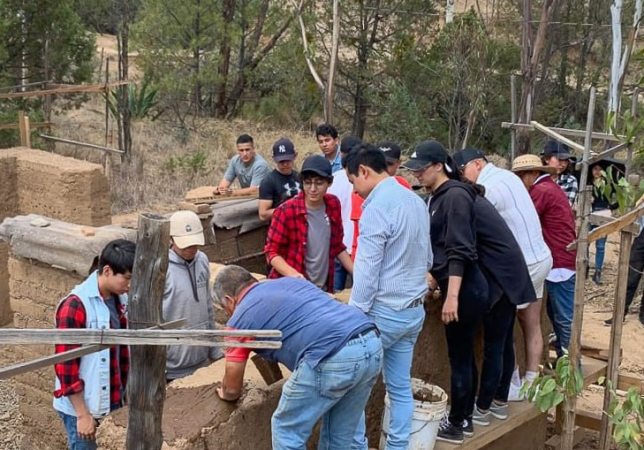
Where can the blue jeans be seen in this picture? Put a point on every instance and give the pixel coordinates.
(560, 307)
(399, 331)
(340, 277)
(74, 442)
(600, 251)
(336, 390)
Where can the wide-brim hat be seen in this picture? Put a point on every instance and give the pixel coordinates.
(526, 163)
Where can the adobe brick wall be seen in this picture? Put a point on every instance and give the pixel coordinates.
(33, 181)
(36, 289)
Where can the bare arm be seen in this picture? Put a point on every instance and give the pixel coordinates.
(346, 261)
(450, 307)
(223, 186)
(233, 382)
(85, 425)
(284, 268)
(252, 190)
(266, 209)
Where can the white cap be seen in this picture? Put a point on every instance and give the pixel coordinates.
(186, 229)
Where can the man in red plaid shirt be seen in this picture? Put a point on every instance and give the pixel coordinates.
(305, 235)
(89, 387)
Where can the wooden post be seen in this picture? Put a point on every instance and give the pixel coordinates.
(612, 371)
(146, 383)
(513, 114)
(581, 262)
(23, 126)
(629, 150)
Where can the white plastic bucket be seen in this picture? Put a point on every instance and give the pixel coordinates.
(425, 420)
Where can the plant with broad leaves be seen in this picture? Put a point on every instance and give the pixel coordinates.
(627, 416)
(548, 391)
(617, 187)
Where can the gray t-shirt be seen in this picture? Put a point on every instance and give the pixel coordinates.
(248, 175)
(318, 240)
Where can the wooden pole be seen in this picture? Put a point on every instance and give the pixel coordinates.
(612, 371)
(146, 384)
(629, 151)
(581, 262)
(21, 127)
(553, 134)
(81, 144)
(513, 114)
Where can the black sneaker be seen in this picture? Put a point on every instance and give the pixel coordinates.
(609, 322)
(449, 433)
(468, 428)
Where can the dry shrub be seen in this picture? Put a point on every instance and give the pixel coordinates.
(166, 161)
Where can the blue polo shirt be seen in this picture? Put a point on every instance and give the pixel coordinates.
(313, 325)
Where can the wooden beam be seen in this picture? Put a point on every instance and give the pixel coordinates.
(513, 115)
(566, 132)
(624, 382)
(612, 371)
(197, 208)
(146, 382)
(80, 144)
(616, 225)
(69, 89)
(22, 336)
(581, 263)
(13, 126)
(605, 154)
(46, 361)
(596, 219)
(590, 420)
(553, 134)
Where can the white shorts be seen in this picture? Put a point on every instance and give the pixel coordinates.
(538, 273)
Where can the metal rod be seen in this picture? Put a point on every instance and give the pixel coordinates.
(80, 144)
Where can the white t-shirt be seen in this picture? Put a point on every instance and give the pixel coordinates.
(342, 188)
(511, 199)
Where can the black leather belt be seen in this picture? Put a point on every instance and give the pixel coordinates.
(364, 333)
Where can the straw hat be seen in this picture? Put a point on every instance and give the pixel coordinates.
(526, 163)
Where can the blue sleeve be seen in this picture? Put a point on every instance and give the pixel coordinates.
(230, 173)
(259, 173)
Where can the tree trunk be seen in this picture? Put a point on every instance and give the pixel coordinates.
(146, 383)
(449, 11)
(223, 68)
(196, 61)
(330, 85)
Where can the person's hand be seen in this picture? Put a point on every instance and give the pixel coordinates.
(296, 275)
(223, 190)
(450, 310)
(86, 427)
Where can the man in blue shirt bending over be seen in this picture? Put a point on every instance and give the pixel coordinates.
(389, 279)
(333, 350)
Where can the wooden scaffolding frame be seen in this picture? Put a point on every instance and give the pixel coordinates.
(568, 419)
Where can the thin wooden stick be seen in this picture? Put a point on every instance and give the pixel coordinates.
(612, 371)
(566, 131)
(557, 136)
(72, 89)
(80, 144)
(136, 337)
(45, 361)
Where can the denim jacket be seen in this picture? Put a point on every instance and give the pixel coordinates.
(95, 367)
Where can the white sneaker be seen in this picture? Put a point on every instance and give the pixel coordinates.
(515, 394)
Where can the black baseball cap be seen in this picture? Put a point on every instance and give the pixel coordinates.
(283, 150)
(348, 142)
(426, 153)
(462, 157)
(556, 148)
(318, 165)
(391, 150)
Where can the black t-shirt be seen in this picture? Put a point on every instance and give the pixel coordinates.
(279, 188)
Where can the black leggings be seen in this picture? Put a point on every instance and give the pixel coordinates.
(472, 305)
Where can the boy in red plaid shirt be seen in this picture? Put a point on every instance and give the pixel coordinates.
(305, 235)
(89, 387)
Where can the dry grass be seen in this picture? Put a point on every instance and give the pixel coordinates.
(147, 183)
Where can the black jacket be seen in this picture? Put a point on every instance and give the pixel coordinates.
(467, 229)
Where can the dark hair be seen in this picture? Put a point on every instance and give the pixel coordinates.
(326, 129)
(230, 281)
(118, 255)
(245, 139)
(365, 155)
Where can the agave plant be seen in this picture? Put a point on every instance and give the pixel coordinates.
(141, 101)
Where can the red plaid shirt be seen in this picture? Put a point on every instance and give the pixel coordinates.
(288, 230)
(71, 314)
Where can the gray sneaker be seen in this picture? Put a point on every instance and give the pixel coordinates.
(481, 417)
(499, 410)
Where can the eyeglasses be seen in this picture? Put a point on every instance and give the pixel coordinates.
(308, 184)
